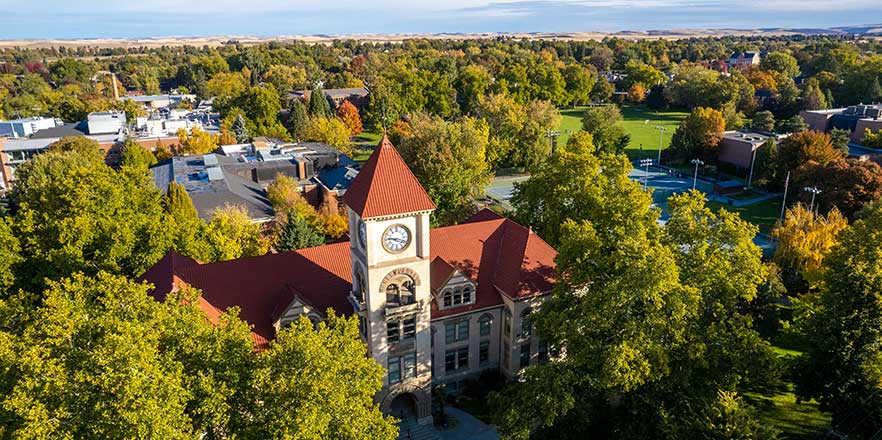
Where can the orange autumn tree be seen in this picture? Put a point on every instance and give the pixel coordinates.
(348, 113)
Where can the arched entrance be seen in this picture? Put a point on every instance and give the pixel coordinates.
(412, 401)
(404, 406)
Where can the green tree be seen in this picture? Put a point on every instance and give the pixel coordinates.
(297, 119)
(580, 81)
(781, 62)
(842, 367)
(763, 121)
(604, 124)
(85, 146)
(240, 129)
(449, 160)
(9, 256)
(230, 234)
(76, 215)
(872, 139)
(840, 137)
(319, 107)
(471, 84)
(331, 131)
(297, 383)
(699, 134)
(598, 188)
(794, 124)
(298, 233)
(642, 74)
(812, 96)
(135, 156)
(183, 221)
(602, 90)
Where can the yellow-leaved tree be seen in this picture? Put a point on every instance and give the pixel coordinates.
(804, 239)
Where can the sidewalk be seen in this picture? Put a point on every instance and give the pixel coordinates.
(467, 427)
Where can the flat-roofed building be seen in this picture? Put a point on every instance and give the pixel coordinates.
(857, 119)
(737, 147)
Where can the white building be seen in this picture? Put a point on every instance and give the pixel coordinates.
(22, 128)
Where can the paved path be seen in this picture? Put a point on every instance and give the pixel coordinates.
(468, 427)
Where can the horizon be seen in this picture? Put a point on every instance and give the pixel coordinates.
(104, 19)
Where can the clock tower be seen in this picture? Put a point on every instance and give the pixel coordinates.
(389, 243)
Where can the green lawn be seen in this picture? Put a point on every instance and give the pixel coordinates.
(803, 420)
(363, 145)
(635, 123)
(763, 214)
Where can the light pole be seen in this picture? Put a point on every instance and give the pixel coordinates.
(661, 131)
(645, 163)
(815, 191)
(552, 137)
(697, 163)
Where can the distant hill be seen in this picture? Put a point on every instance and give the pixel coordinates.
(671, 34)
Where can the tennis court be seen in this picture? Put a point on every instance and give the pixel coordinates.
(502, 188)
(665, 183)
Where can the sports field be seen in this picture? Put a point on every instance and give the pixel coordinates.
(635, 123)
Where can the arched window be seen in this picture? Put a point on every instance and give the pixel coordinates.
(526, 324)
(392, 292)
(457, 296)
(408, 292)
(401, 291)
(360, 287)
(484, 324)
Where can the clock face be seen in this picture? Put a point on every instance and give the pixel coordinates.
(362, 234)
(396, 238)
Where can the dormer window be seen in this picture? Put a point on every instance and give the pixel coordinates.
(457, 296)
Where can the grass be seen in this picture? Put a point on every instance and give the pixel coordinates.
(363, 145)
(635, 123)
(802, 420)
(763, 214)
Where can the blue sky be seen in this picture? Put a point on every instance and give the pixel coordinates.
(126, 18)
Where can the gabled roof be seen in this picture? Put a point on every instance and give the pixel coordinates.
(501, 256)
(386, 186)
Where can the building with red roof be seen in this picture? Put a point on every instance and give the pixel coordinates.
(436, 305)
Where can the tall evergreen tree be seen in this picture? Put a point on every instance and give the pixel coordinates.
(240, 130)
(319, 107)
(297, 119)
(298, 233)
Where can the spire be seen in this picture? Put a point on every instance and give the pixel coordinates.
(386, 186)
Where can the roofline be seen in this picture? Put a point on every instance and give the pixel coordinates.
(394, 216)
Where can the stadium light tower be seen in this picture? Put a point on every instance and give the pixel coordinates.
(815, 191)
(661, 132)
(645, 163)
(697, 163)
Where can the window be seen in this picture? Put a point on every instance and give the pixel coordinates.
(484, 324)
(458, 296)
(392, 292)
(401, 330)
(526, 324)
(484, 353)
(506, 321)
(409, 365)
(525, 355)
(456, 331)
(393, 332)
(543, 351)
(401, 294)
(456, 359)
(359, 284)
(362, 325)
(394, 369)
(506, 355)
(410, 328)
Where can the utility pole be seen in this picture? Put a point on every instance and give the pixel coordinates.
(784, 201)
(697, 163)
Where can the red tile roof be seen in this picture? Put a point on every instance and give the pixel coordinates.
(501, 256)
(386, 186)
